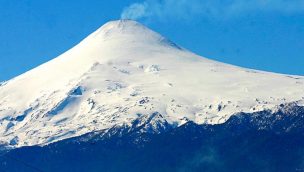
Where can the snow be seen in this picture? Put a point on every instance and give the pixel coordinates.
(122, 70)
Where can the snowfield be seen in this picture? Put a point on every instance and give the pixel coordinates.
(124, 71)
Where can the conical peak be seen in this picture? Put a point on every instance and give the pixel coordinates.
(129, 31)
(123, 25)
(126, 30)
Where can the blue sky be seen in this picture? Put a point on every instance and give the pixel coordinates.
(260, 34)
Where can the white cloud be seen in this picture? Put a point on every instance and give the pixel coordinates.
(190, 9)
(135, 11)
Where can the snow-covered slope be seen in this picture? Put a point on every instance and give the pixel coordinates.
(124, 71)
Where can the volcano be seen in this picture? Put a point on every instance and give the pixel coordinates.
(125, 75)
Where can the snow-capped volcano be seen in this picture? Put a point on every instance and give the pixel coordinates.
(124, 71)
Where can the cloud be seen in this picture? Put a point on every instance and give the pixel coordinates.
(191, 9)
(135, 11)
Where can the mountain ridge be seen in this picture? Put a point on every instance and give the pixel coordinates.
(262, 141)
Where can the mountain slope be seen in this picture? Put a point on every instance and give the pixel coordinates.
(261, 141)
(124, 71)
